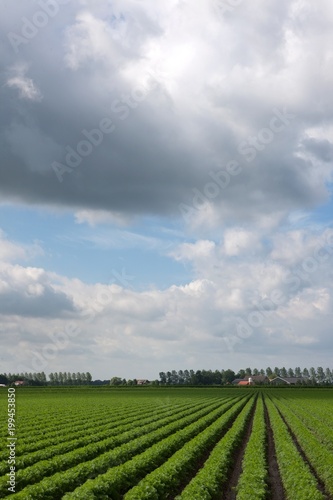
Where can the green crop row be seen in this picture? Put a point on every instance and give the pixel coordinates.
(309, 417)
(118, 480)
(33, 430)
(252, 484)
(109, 431)
(68, 433)
(46, 447)
(298, 482)
(209, 481)
(167, 478)
(320, 458)
(68, 480)
(44, 420)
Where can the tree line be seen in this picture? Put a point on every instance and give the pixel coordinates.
(222, 377)
(39, 378)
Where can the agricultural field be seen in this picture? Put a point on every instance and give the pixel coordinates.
(169, 443)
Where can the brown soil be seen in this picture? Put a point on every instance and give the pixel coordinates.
(201, 461)
(229, 491)
(275, 486)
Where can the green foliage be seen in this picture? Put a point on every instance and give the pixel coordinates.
(296, 476)
(156, 442)
(165, 480)
(252, 484)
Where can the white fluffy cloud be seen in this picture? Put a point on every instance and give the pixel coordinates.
(25, 86)
(232, 305)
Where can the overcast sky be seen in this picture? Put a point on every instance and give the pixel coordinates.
(166, 185)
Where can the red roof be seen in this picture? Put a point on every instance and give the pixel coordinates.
(243, 382)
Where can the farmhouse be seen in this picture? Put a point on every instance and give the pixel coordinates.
(251, 380)
(142, 381)
(258, 379)
(288, 380)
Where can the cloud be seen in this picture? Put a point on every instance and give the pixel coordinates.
(238, 241)
(192, 251)
(218, 123)
(11, 251)
(231, 308)
(27, 291)
(191, 112)
(26, 87)
(95, 217)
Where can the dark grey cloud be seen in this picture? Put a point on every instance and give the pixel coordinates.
(50, 304)
(206, 93)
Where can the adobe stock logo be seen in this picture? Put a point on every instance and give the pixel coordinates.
(247, 149)
(31, 27)
(93, 138)
(278, 122)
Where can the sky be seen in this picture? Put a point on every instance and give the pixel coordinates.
(165, 185)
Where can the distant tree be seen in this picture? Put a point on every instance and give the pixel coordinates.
(192, 377)
(88, 377)
(186, 377)
(198, 378)
(163, 377)
(116, 381)
(262, 372)
(79, 378)
(228, 376)
(241, 374)
(283, 372)
(174, 377)
(3, 379)
(320, 374)
(328, 375)
(248, 372)
(255, 371)
(306, 373)
(313, 375)
(269, 372)
(217, 377)
(291, 372)
(277, 371)
(207, 377)
(181, 377)
(168, 378)
(298, 372)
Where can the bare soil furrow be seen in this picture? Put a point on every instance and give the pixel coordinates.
(229, 491)
(275, 485)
